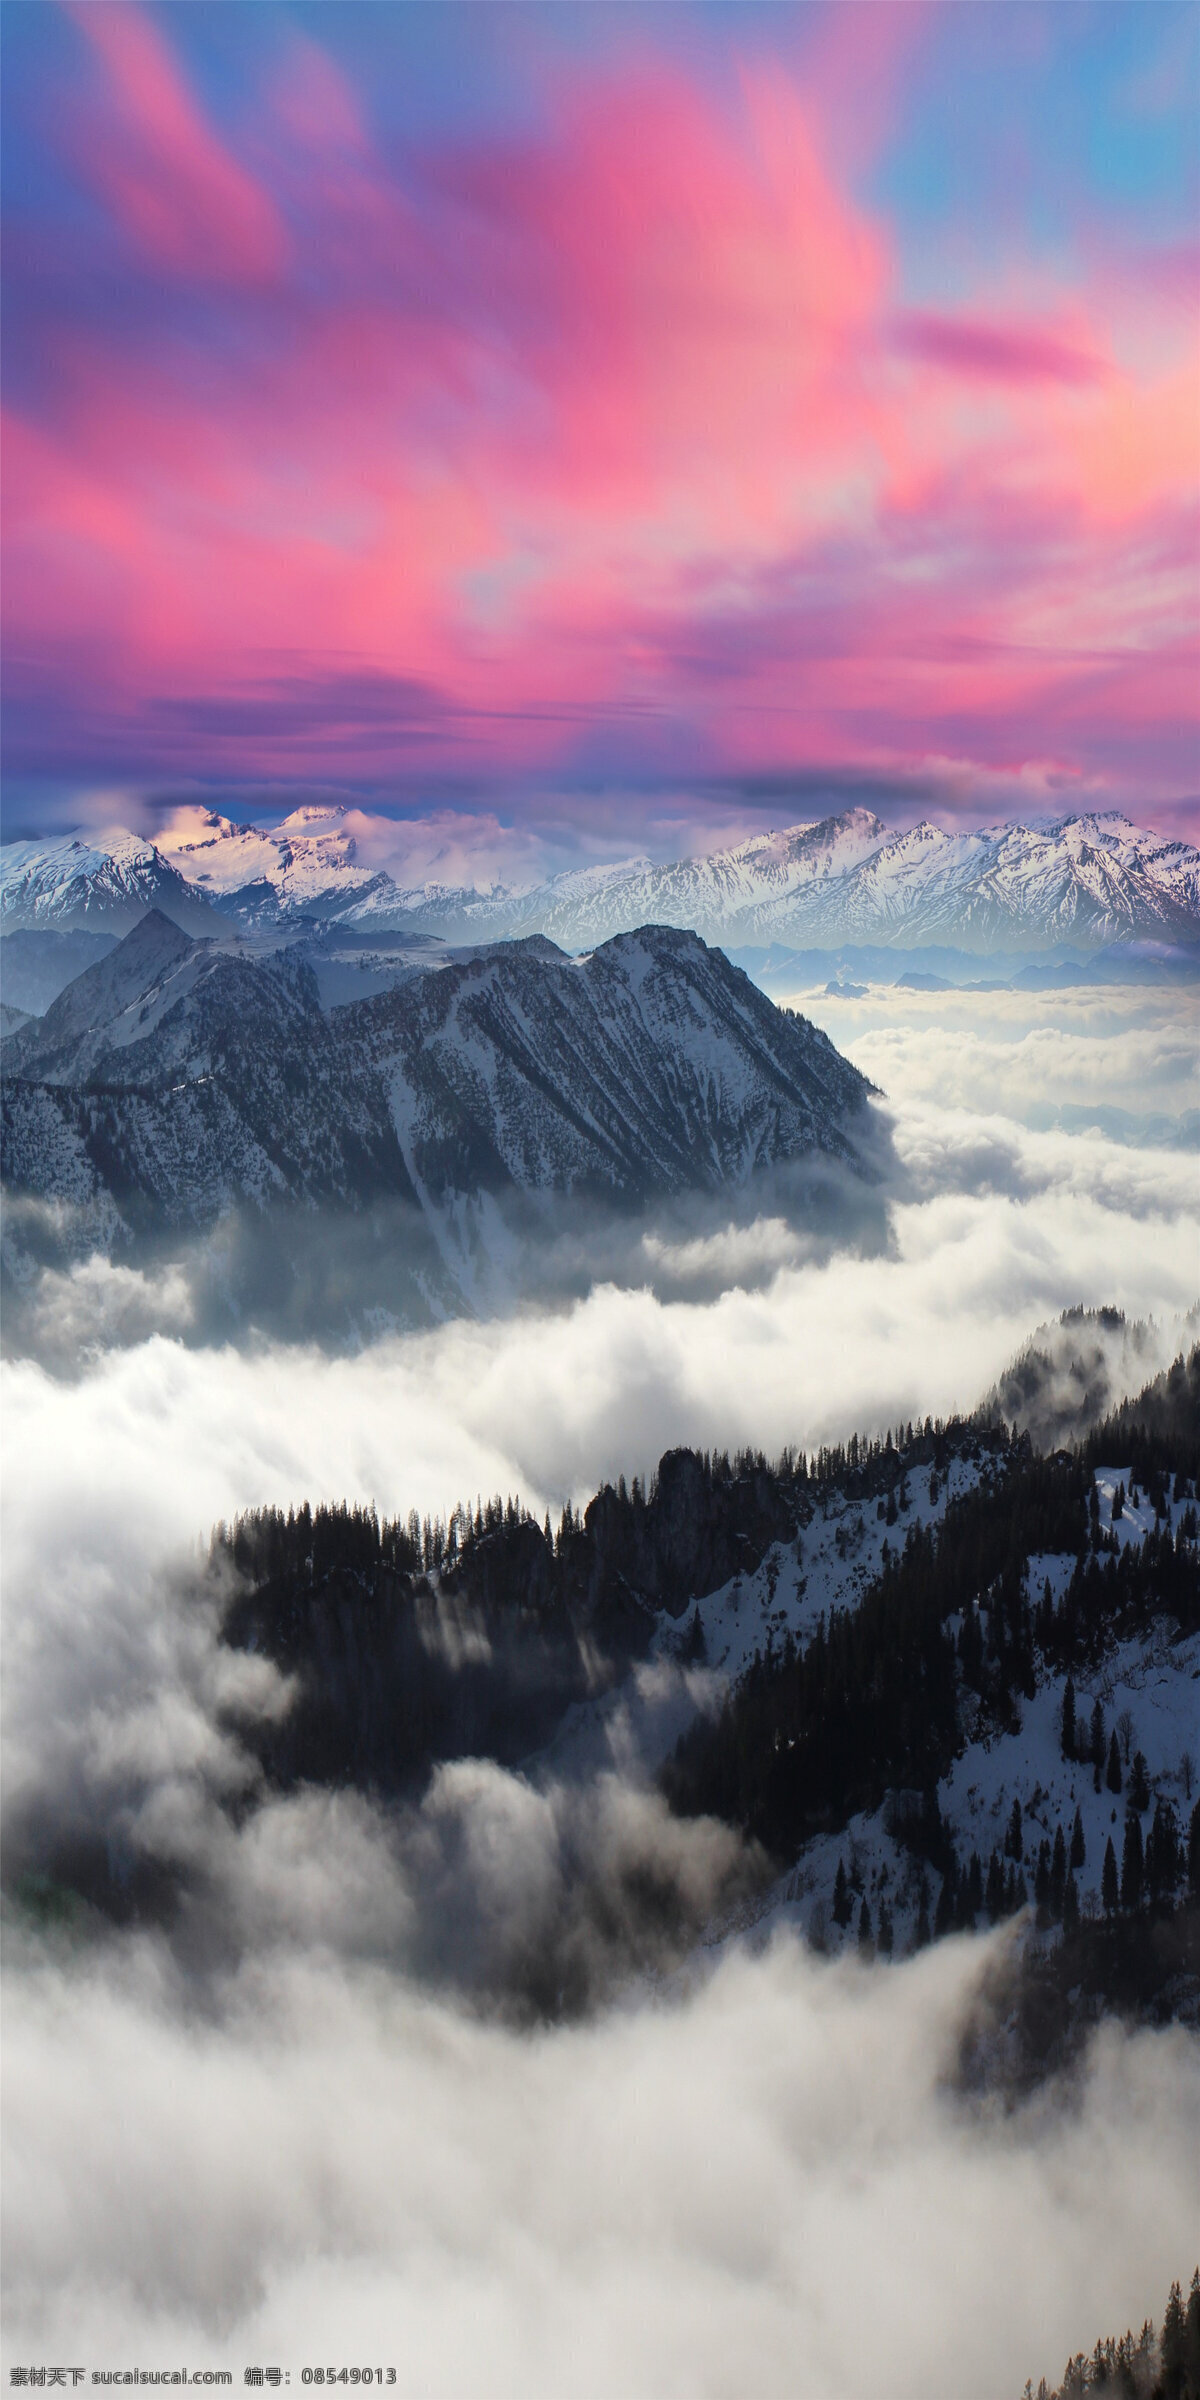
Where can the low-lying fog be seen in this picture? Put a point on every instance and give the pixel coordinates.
(320, 2119)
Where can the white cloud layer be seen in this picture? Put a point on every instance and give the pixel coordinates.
(287, 2144)
(762, 2185)
(1003, 1229)
(1127, 1047)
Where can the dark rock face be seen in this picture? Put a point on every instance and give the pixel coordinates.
(653, 1066)
(401, 1664)
(180, 1079)
(699, 1528)
(396, 1674)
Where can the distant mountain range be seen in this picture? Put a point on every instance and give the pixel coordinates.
(175, 1080)
(1085, 882)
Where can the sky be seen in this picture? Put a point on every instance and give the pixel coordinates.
(602, 415)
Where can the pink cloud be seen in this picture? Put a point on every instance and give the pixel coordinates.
(1001, 353)
(610, 436)
(178, 193)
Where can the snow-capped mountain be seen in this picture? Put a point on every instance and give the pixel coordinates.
(1084, 882)
(306, 864)
(726, 896)
(103, 881)
(184, 1078)
(1087, 880)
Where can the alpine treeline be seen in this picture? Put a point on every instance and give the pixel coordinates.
(416, 1640)
(1145, 2366)
(810, 1737)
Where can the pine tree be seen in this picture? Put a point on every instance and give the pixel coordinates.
(1078, 1845)
(922, 1936)
(943, 1918)
(1068, 1720)
(1139, 1788)
(994, 1889)
(1014, 1838)
(866, 1938)
(1132, 1863)
(1058, 1873)
(1041, 1875)
(1114, 1765)
(885, 1940)
(1109, 1889)
(1071, 1906)
(841, 1896)
(1096, 1743)
(1174, 2347)
(1194, 1851)
(1192, 2335)
(1162, 1852)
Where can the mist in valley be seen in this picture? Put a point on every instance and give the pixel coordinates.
(513, 2079)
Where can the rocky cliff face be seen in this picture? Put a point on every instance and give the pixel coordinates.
(652, 1067)
(182, 1079)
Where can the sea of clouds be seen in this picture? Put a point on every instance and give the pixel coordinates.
(462, 2088)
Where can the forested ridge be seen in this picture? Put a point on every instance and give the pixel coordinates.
(872, 1703)
(415, 1640)
(419, 1639)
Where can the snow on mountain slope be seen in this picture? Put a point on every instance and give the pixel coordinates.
(106, 882)
(118, 1001)
(196, 1076)
(829, 1565)
(651, 1066)
(722, 897)
(1087, 880)
(192, 1078)
(1153, 1683)
(308, 860)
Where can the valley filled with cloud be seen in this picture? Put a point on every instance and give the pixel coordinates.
(600, 1350)
(336, 2096)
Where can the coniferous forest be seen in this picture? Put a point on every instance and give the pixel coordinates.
(1162, 2365)
(422, 1640)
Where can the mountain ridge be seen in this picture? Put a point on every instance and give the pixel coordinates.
(1091, 880)
(179, 1078)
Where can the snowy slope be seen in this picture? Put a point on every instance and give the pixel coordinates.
(308, 860)
(1085, 881)
(1155, 1681)
(105, 882)
(190, 1078)
(726, 896)
(651, 1066)
(195, 1076)
(829, 1565)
